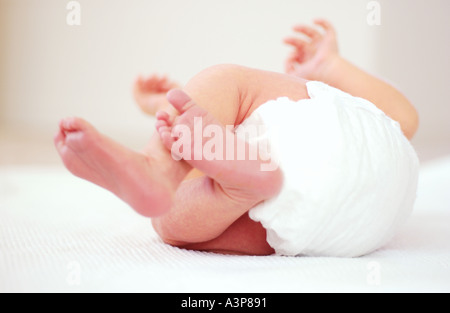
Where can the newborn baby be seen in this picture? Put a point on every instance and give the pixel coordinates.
(337, 187)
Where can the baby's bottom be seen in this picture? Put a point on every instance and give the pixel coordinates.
(205, 214)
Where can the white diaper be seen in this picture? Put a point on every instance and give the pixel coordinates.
(350, 175)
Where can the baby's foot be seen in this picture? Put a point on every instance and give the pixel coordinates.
(150, 93)
(179, 131)
(135, 178)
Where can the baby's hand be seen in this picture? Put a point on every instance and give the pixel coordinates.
(312, 55)
(150, 93)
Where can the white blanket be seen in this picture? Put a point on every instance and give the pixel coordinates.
(61, 234)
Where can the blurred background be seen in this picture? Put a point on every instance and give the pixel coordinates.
(49, 70)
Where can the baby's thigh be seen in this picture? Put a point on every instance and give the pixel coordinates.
(244, 236)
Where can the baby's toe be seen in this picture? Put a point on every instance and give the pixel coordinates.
(162, 115)
(59, 139)
(160, 124)
(72, 124)
(165, 133)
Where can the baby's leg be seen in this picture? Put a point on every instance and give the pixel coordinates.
(206, 207)
(211, 214)
(145, 181)
(244, 236)
(148, 181)
(248, 176)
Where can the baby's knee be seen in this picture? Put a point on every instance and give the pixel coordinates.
(217, 90)
(221, 77)
(221, 71)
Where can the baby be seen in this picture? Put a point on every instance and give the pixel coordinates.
(228, 205)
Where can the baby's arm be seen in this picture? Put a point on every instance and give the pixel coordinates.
(345, 76)
(318, 59)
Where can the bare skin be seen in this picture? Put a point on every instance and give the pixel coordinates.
(136, 178)
(244, 175)
(316, 58)
(141, 180)
(150, 93)
(197, 211)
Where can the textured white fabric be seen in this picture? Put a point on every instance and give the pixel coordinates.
(350, 175)
(62, 234)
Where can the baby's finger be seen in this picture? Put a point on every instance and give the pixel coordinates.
(292, 62)
(308, 31)
(59, 138)
(296, 42)
(289, 63)
(289, 66)
(325, 25)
